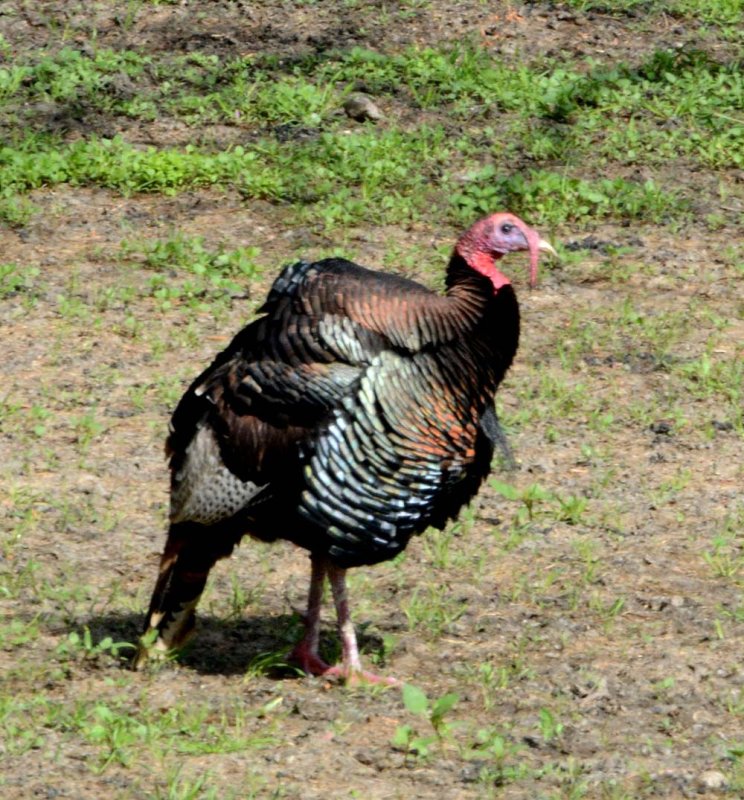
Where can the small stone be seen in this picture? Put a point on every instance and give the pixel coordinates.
(722, 426)
(167, 699)
(121, 86)
(91, 484)
(471, 772)
(361, 108)
(711, 780)
(363, 757)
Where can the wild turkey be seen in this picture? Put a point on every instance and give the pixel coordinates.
(354, 412)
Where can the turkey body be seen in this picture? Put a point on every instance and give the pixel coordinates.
(340, 427)
(353, 413)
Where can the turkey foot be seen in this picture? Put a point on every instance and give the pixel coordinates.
(351, 668)
(353, 677)
(308, 660)
(306, 654)
(312, 664)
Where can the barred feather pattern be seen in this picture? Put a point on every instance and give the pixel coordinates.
(356, 411)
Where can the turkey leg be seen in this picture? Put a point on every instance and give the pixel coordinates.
(306, 654)
(351, 666)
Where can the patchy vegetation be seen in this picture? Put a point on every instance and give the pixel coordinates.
(577, 633)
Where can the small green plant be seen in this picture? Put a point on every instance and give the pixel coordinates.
(16, 211)
(18, 633)
(726, 554)
(709, 376)
(670, 488)
(495, 750)
(269, 663)
(16, 280)
(571, 508)
(82, 647)
(530, 498)
(554, 198)
(536, 501)
(39, 416)
(87, 428)
(183, 788)
(608, 611)
(433, 609)
(381, 655)
(490, 680)
(191, 254)
(240, 597)
(550, 727)
(662, 688)
(408, 738)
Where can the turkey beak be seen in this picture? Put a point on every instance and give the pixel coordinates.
(546, 247)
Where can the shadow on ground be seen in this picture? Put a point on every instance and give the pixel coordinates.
(232, 647)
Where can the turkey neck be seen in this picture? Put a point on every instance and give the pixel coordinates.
(488, 317)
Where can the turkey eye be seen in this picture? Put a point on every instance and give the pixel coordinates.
(507, 228)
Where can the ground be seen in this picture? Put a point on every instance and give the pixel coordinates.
(579, 631)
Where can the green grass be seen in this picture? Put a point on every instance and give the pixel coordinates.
(718, 12)
(340, 179)
(725, 558)
(18, 280)
(674, 105)
(555, 198)
(204, 277)
(117, 732)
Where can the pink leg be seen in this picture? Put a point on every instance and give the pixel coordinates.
(349, 649)
(305, 654)
(351, 668)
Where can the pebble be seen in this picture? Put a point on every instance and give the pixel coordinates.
(91, 484)
(121, 86)
(361, 108)
(722, 426)
(711, 780)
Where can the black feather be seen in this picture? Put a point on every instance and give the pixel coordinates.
(361, 403)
